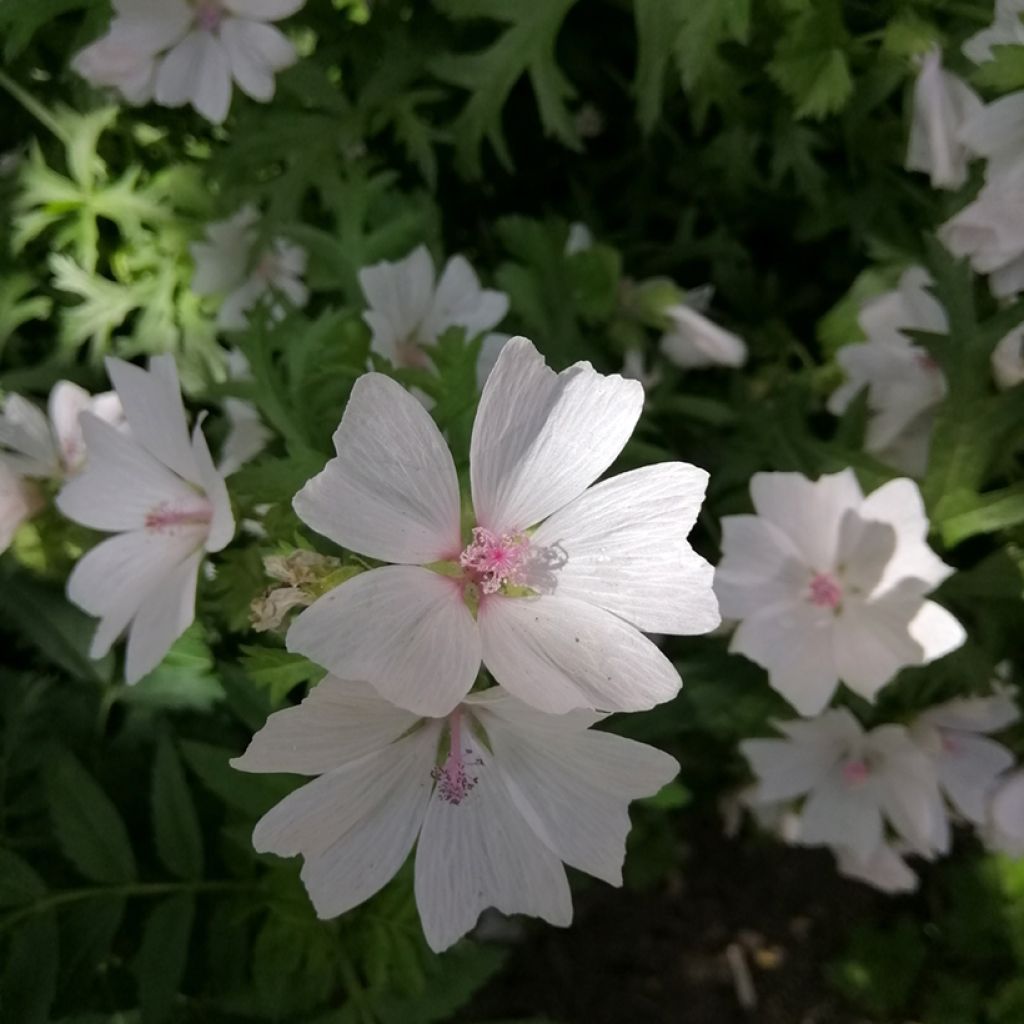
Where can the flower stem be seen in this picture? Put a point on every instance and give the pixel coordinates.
(34, 107)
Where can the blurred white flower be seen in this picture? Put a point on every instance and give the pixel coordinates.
(159, 492)
(693, 341)
(942, 102)
(1006, 30)
(967, 761)
(19, 501)
(495, 797)
(190, 51)
(830, 586)
(226, 264)
(904, 383)
(554, 584)
(580, 238)
(853, 784)
(247, 434)
(1005, 827)
(634, 367)
(408, 309)
(1008, 359)
(884, 869)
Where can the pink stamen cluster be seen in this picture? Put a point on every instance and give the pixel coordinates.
(453, 779)
(166, 517)
(825, 591)
(494, 561)
(856, 772)
(209, 15)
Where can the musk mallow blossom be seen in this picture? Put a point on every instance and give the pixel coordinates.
(968, 762)
(829, 585)
(157, 490)
(942, 104)
(556, 578)
(228, 264)
(408, 308)
(904, 383)
(495, 795)
(190, 51)
(1006, 29)
(853, 785)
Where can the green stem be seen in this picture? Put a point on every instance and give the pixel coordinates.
(34, 107)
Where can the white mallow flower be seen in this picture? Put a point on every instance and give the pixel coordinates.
(1008, 359)
(495, 796)
(52, 447)
(693, 341)
(942, 103)
(557, 578)
(828, 585)
(1007, 29)
(884, 869)
(853, 783)
(190, 51)
(1005, 826)
(968, 763)
(904, 383)
(19, 501)
(227, 265)
(157, 490)
(409, 309)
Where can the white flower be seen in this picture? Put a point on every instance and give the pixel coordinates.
(1005, 831)
(408, 309)
(829, 585)
(1008, 359)
(226, 265)
(693, 340)
(942, 103)
(189, 51)
(561, 576)
(990, 230)
(579, 239)
(159, 492)
(495, 797)
(247, 434)
(884, 869)
(996, 132)
(853, 784)
(19, 501)
(1006, 30)
(905, 384)
(50, 449)
(967, 762)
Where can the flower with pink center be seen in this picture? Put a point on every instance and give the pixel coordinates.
(495, 796)
(157, 490)
(555, 618)
(179, 52)
(828, 585)
(856, 789)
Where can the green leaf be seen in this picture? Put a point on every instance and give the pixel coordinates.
(278, 670)
(87, 825)
(657, 24)
(29, 978)
(1004, 72)
(184, 679)
(987, 513)
(179, 841)
(161, 960)
(810, 63)
(19, 884)
(18, 305)
(20, 20)
(253, 795)
(704, 26)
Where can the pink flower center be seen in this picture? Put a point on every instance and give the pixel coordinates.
(453, 777)
(491, 561)
(209, 15)
(926, 360)
(825, 591)
(165, 518)
(267, 268)
(856, 772)
(950, 744)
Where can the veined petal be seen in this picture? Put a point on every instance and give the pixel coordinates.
(760, 566)
(459, 301)
(481, 853)
(541, 438)
(558, 653)
(403, 629)
(392, 492)
(25, 431)
(222, 522)
(399, 295)
(625, 549)
(338, 721)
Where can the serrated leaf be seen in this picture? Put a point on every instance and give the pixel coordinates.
(88, 827)
(161, 960)
(704, 26)
(1004, 72)
(29, 978)
(179, 841)
(19, 884)
(278, 670)
(184, 679)
(657, 24)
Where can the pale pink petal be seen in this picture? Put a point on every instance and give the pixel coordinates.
(222, 523)
(255, 51)
(936, 631)
(836, 814)
(760, 565)
(968, 769)
(264, 10)
(25, 432)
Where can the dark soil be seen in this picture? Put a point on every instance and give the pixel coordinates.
(648, 958)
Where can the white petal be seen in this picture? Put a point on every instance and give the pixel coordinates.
(255, 51)
(222, 259)
(264, 10)
(785, 769)
(392, 492)
(196, 71)
(936, 631)
(356, 825)
(66, 403)
(574, 787)
(155, 413)
(842, 816)
(403, 629)
(760, 565)
(165, 613)
(399, 294)
(885, 869)
(624, 548)
(222, 521)
(541, 438)
(152, 25)
(460, 302)
(1006, 816)
(968, 769)
(480, 853)
(121, 484)
(809, 512)
(1008, 360)
(337, 722)
(975, 714)
(25, 431)
(557, 654)
(17, 502)
(694, 341)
